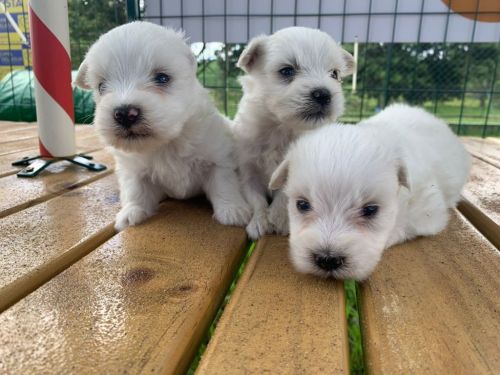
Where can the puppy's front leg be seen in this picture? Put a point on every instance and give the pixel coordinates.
(255, 194)
(278, 213)
(139, 199)
(223, 190)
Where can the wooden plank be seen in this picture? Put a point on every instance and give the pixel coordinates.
(279, 321)
(23, 145)
(432, 306)
(40, 241)
(89, 142)
(482, 200)
(83, 132)
(140, 303)
(56, 179)
(8, 126)
(486, 149)
(18, 135)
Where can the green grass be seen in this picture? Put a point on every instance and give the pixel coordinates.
(211, 329)
(356, 361)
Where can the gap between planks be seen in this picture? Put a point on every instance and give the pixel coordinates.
(25, 285)
(481, 221)
(46, 197)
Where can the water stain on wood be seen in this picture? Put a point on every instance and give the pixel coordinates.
(137, 276)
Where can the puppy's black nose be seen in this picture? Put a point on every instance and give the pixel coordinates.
(126, 115)
(321, 96)
(328, 263)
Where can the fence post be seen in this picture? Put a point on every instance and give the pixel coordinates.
(132, 10)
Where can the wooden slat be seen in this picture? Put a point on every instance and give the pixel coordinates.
(140, 303)
(18, 135)
(15, 146)
(8, 126)
(39, 242)
(56, 179)
(487, 149)
(84, 135)
(433, 307)
(279, 321)
(482, 200)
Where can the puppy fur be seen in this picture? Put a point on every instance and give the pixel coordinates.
(277, 107)
(176, 144)
(403, 160)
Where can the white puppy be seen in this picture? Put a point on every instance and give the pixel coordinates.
(168, 138)
(293, 84)
(355, 190)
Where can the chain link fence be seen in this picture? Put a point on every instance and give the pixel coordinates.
(456, 77)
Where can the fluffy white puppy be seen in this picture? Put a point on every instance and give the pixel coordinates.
(355, 190)
(293, 84)
(167, 136)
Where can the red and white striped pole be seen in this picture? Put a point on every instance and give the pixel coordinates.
(52, 67)
(49, 30)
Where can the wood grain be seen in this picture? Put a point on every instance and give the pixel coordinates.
(140, 303)
(43, 240)
(279, 321)
(433, 307)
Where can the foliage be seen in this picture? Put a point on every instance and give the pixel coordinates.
(89, 19)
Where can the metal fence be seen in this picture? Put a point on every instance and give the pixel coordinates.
(452, 74)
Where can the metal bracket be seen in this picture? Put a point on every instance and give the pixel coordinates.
(35, 164)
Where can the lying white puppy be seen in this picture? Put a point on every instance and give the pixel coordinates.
(355, 190)
(293, 84)
(168, 138)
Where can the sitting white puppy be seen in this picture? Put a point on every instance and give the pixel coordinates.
(355, 190)
(293, 84)
(167, 136)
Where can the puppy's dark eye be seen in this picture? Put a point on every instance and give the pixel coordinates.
(303, 205)
(162, 78)
(334, 74)
(101, 88)
(287, 72)
(370, 210)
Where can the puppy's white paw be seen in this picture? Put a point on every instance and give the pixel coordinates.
(258, 226)
(278, 220)
(130, 215)
(233, 214)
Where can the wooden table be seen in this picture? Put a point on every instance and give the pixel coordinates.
(75, 297)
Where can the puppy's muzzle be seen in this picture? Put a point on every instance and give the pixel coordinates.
(126, 115)
(321, 96)
(327, 262)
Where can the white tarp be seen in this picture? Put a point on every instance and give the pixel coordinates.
(247, 18)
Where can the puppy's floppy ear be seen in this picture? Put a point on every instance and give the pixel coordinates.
(280, 175)
(403, 175)
(81, 76)
(350, 64)
(252, 54)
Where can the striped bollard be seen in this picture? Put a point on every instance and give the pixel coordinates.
(50, 48)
